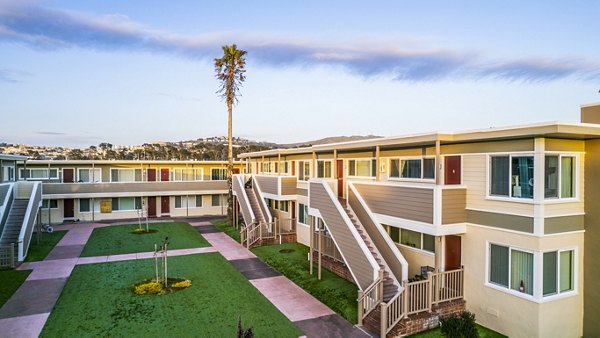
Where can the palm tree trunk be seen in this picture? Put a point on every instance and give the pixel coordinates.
(230, 165)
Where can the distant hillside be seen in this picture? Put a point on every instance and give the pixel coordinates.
(333, 139)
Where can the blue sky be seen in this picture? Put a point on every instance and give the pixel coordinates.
(77, 73)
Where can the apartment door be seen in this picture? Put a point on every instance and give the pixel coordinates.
(293, 207)
(340, 177)
(164, 174)
(69, 207)
(152, 203)
(151, 173)
(236, 170)
(452, 172)
(452, 253)
(164, 205)
(68, 176)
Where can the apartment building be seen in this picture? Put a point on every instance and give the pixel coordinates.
(8, 167)
(96, 190)
(514, 211)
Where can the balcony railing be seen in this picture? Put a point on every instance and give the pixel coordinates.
(277, 185)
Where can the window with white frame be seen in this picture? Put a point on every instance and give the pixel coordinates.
(303, 216)
(559, 272)
(218, 174)
(283, 167)
(186, 174)
(324, 169)
(126, 203)
(417, 240)
(303, 170)
(89, 175)
(49, 204)
(511, 268)
(9, 174)
(217, 200)
(511, 176)
(422, 168)
(85, 205)
(192, 201)
(284, 206)
(38, 173)
(559, 176)
(125, 175)
(362, 168)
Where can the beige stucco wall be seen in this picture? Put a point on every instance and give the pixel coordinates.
(510, 314)
(302, 230)
(416, 259)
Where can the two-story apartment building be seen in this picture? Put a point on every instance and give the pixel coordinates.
(517, 207)
(95, 190)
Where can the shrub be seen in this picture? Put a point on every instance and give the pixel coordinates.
(460, 326)
(183, 284)
(151, 288)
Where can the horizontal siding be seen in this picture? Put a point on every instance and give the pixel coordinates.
(302, 192)
(403, 202)
(489, 147)
(354, 257)
(238, 188)
(288, 185)
(454, 202)
(556, 225)
(137, 187)
(267, 184)
(501, 221)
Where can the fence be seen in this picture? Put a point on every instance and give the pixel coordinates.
(8, 257)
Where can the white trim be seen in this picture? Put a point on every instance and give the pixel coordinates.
(522, 233)
(426, 228)
(134, 194)
(261, 200)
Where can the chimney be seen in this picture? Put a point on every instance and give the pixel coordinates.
(590, 113)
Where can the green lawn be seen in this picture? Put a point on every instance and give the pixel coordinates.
(118, 239)
(484, 332)
(37, 252)
(222, 225)
(98, 302)
(337, 293)
(11, 281)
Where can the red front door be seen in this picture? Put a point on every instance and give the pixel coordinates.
(152, 205)
(452, 172)
(340, 177)
(69, 208)
(164, 174)
(236, 170)
(68, 176)
(151, 175)
(452, 253)
(164, 205)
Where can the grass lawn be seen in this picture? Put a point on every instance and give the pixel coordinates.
(484, 332)
(118, 239)
(337, 293)
(37, 252)
(98, 302)
(222, 225)
(11, 281)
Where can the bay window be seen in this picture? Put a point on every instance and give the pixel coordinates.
(511, 268)
(558, 272)
(511, 176)
(559, 176)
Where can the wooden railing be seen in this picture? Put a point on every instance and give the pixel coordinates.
(329, 248)
(251, 234)
(8, 256)
(370, 298)
(420, 296)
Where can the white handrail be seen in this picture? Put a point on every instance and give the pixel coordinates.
(262, 200)
(6, 200)
(240, 179)
(24, 226)
(386, 237)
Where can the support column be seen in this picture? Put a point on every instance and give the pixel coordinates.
(377, 163)
(538, 186)
(438, 163)
(312, 243)
(313, 172)
(320, 249)
(439, 247)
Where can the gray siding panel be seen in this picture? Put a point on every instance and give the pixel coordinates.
(267, 184)
(302, 192)
(454, 203)
(347, 244)
(151, 188)
(403, 202)
(555, 225)
(3, 192)
(376, 237)
(239, 190)
(502, 221)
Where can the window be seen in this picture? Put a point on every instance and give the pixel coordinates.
(126, 203)
(283, 167)
(512, 176)
(90, 175)
(324, 169)
(413, 168)
(414, 239)
(38, 174)
(303, 216)
(218, 174)
(217, 200)
(125, 175)
(303, 170)
(558, 272)
(179, 203)
(52, 203)
(186, 174)
(182, 202)
(84, 205)
(198, 202)
(559, 176)
(393, 232)
(362, 168)
(284, 206)
(511, 268)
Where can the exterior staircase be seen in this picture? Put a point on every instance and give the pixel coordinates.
(390, 285)
(14, 222)
(258, 214)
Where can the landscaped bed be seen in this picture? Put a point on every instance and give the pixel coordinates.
(484, 332)
(98, 300)
(11, 280)
(37, 252)
(119, 239)
(337, 293)
(222, 225)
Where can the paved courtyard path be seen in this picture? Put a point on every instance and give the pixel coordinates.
(26, 312)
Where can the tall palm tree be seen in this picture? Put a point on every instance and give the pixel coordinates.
(230, 71)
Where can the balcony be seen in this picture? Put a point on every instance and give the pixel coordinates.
(277, 186)
(115, 189)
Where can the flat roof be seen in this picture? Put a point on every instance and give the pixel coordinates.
(126, 162)
(8, 157)
(576, 131)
